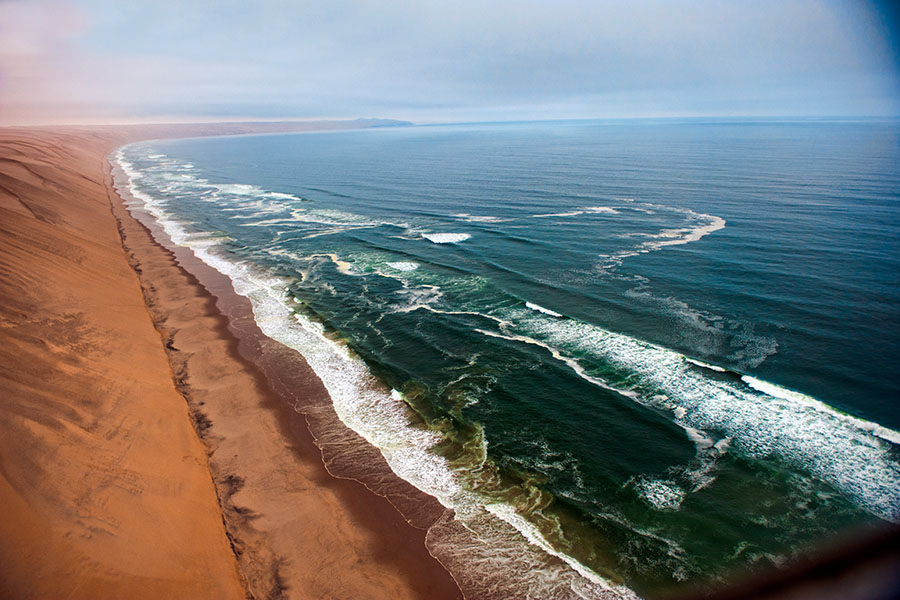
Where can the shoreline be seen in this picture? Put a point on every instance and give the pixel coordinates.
(292, 526)
(378, 500)
(464, 544)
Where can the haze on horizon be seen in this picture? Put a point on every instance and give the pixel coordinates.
(466, 60)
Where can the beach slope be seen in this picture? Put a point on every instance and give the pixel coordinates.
(104, 484)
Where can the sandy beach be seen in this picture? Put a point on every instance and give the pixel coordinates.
(153, 443)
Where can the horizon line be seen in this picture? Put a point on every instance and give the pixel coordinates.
(175, 120)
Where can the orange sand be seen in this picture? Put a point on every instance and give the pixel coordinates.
(106, 488)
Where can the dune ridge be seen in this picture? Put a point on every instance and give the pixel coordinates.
(142, 452)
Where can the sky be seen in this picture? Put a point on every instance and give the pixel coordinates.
(444, 61)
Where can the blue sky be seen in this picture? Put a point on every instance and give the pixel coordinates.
(445, 61)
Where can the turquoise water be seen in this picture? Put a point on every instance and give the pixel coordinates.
(659, 350)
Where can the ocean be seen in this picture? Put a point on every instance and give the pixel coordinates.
(629, 355)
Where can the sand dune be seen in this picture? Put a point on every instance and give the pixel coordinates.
(104, 484)
(106, 488)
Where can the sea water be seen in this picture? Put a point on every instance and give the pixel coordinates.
(639, 354)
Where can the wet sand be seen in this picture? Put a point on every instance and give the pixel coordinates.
(153, 443)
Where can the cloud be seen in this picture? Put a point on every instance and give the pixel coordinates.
(449, 60)
(34, 37)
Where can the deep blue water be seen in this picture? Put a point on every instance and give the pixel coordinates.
(668, 346)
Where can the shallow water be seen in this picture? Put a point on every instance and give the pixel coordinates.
(657, 350)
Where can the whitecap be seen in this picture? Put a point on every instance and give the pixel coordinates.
(446, 238)
(661, 494)
(480, 218)
(403, 266)
(541, 309)
(778, 391)
(700, 363)
(762, 419)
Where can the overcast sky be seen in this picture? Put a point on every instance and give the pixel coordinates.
(427, 61)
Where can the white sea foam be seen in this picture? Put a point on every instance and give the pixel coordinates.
(541, 309)
(446, 238)
(342, 265)
(480, 218)
(704, 225)
(700, 438)
(127, 167)
(494, 318)
(419, 297)
(675, 237)
(601, 209)
(700, 472)
(376, 413)
(479, 555)
(283, 196)
(239, 189)
(571, 213)
(661, 494)
(266, 222)
(780, 392)
(326, 216)
(508, 514)
(761, 419)
(700, 363)
(403, 266)
(571, 362)
(263, 208)
(736, 341)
